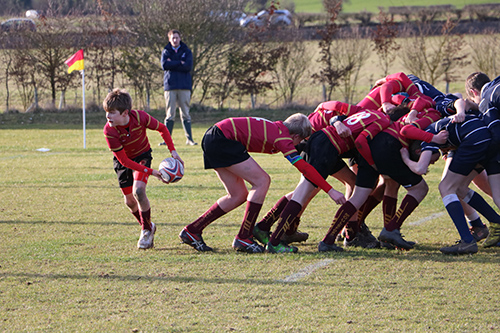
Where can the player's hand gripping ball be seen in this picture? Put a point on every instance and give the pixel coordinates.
(171, 170)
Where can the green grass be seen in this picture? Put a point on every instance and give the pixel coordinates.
(354, 6)
(69, 260)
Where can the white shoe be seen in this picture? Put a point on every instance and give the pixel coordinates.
(147, 239)
(191, 142)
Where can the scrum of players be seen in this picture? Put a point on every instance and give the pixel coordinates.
(383, 144)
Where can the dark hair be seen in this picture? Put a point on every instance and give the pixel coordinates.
(118, 99)
(476, 81)
(415, 149)
(397, 112)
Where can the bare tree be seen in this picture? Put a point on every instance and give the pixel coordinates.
(103, 49)
(430, 55)
(348, 60)
(255, 62)
(222, 84)
(6, 60)
(22, 70)
(205, 26)
(329, 75)
(53, 43)
(486, 53)
(384, 40)
(141, 68)
(23, 74)
(292, 68)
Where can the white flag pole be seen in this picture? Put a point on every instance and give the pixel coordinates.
(83, 108)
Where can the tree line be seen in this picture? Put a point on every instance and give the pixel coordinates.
(230, 63)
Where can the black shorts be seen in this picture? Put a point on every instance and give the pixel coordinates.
(367, 176)
(387, 157)
(467, 156)
(126, 175)
(221, 152)
(492, 166)
(322, 155)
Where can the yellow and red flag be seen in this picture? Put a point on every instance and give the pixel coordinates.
(75, 63)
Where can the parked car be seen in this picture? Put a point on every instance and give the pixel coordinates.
(265, 17)
(18, 24)
(233, 16)
(32, 14)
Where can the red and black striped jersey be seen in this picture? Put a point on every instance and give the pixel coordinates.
(258, 135)
(132, 138)
(364, 124)
(320, 118)
(395, 83)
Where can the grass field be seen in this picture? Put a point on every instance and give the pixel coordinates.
(69, 260)
(355, 6)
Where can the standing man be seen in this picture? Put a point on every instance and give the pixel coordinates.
(177, 62)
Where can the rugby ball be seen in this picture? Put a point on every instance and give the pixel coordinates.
(171, 170)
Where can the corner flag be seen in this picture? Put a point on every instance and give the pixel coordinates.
(75, 62)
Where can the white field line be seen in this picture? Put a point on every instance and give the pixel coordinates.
(308, 270)
(428, 218)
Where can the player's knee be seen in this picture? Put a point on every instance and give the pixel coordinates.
(239, 198)
(139, 193)
(130, 202)
(462, 191)
(424, 189)
(264, 181)
(445, 189)
(420, 190)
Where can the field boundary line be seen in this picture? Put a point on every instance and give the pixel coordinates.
(308, 270)
(428, 218)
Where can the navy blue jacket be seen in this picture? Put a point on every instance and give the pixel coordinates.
(177, 75)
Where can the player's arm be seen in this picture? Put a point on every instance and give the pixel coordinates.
(460, 107)
(386, 92)
(419, 105)
(340, 107)
(422, 166)
(313, 175)
(407, 84)
(413, 133)
(414, 130)
(367, 135)
(124, 160)
(342, 130)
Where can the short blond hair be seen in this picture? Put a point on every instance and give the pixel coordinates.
(117, 99)
(298, 123)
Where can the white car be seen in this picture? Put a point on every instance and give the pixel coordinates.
(264, 17)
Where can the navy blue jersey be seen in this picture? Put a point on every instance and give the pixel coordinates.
(425, 87)
(444, 102)
(469, 140)
(490, 108)
(472, 131)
